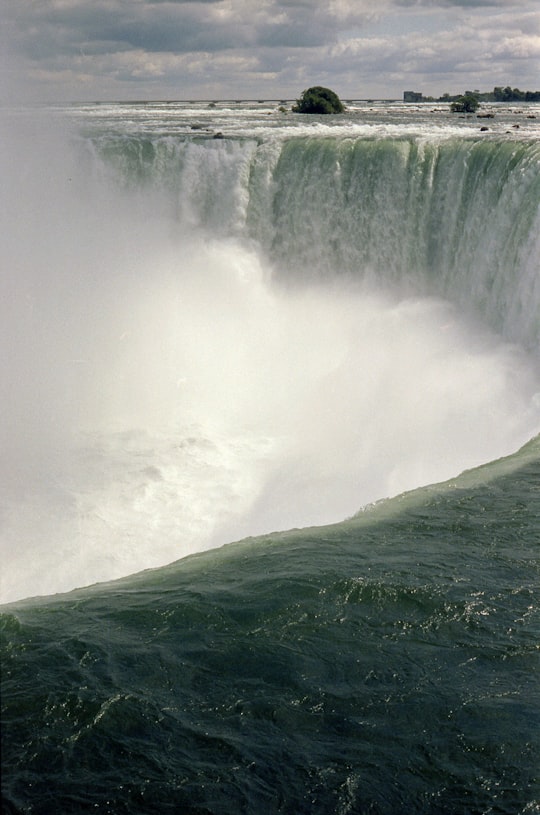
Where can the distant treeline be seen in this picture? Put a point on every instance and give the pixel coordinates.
(498, 94)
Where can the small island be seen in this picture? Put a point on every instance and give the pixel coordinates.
(468, 103)
(318, 100)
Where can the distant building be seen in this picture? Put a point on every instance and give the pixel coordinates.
(412, 96)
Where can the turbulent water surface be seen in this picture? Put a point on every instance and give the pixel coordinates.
(222, 321)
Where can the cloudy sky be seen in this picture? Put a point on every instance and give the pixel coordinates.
(212, 49)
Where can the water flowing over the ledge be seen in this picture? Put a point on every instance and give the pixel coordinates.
(215, 337)
(228, 322)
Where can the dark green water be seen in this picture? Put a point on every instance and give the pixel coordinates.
(388, 664)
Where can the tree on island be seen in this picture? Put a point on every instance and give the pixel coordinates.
(465, 104)
(318, 100)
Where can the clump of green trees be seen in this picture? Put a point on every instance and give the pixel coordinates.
(509, 94)
(318, 100)
(468, 103)
(498, 94)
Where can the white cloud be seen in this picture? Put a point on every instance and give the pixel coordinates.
(522, 47)
(151, 48)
